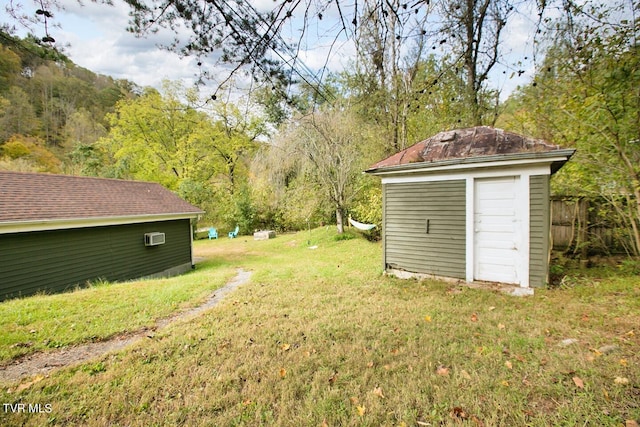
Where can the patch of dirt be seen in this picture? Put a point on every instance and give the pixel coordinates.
(43, 363)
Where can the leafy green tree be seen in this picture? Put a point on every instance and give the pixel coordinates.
(202, 156)
(159, 139)
(236, 138)
(586, 95)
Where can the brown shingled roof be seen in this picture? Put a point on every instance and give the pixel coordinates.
(38, 197)
(480, 141)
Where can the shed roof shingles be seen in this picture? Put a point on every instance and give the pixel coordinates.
(37, 197)
(479, 141)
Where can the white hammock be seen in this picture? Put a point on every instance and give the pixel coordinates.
(361, 226)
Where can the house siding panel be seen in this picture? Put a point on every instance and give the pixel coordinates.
(407, 245)
(538, 230)
(58, 260)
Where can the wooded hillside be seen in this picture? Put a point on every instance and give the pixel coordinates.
(50, 108)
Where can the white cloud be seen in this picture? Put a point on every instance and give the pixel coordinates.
(98, 40)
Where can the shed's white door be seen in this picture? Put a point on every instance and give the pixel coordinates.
(497, 237)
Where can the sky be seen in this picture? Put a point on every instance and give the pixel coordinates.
(95, 38)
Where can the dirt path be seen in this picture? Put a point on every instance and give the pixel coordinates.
(43, 363)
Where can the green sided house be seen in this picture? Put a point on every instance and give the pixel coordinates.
(470, 204)
(58, 232)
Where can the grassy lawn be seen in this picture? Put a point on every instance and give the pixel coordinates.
(49, 322)
(321, 337)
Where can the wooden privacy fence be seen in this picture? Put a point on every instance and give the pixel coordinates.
(585, 227)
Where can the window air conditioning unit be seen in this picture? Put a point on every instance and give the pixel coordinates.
(153, 239)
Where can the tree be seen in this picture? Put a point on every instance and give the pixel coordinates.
(17, 116)
(409, 57)
(390, 47)
(586, 95)
(326, 153)
(159, 139)
(164, 138)
(235, 139)
(475, 36)
(9, 68)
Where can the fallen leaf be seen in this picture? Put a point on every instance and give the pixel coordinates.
(324, 423)
(378, 392)
(285, 347)
(353, 400)
(394, 351)
(623, 362)
(370, 365)
(427, 318)
(246, 402)
(283, 372)
(508, 364)
(605, 393)
(504, 383)
(477, 421)
(464, 374)
(630, 333)
(492, 308)
(501, 326)
(332, 378)
(361, 410)
(578, 382)
(585, 318)
(442, 371)
(596, 353)
(519, 358)
(631, 423)
(621, 380)
(474, 317)
(458, 413)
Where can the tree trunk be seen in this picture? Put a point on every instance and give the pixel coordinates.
(339, 220)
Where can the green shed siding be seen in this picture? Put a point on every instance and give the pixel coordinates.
(407, 245)
(60, 259)
(538, 230)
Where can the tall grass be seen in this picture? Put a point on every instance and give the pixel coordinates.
(321, 337)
